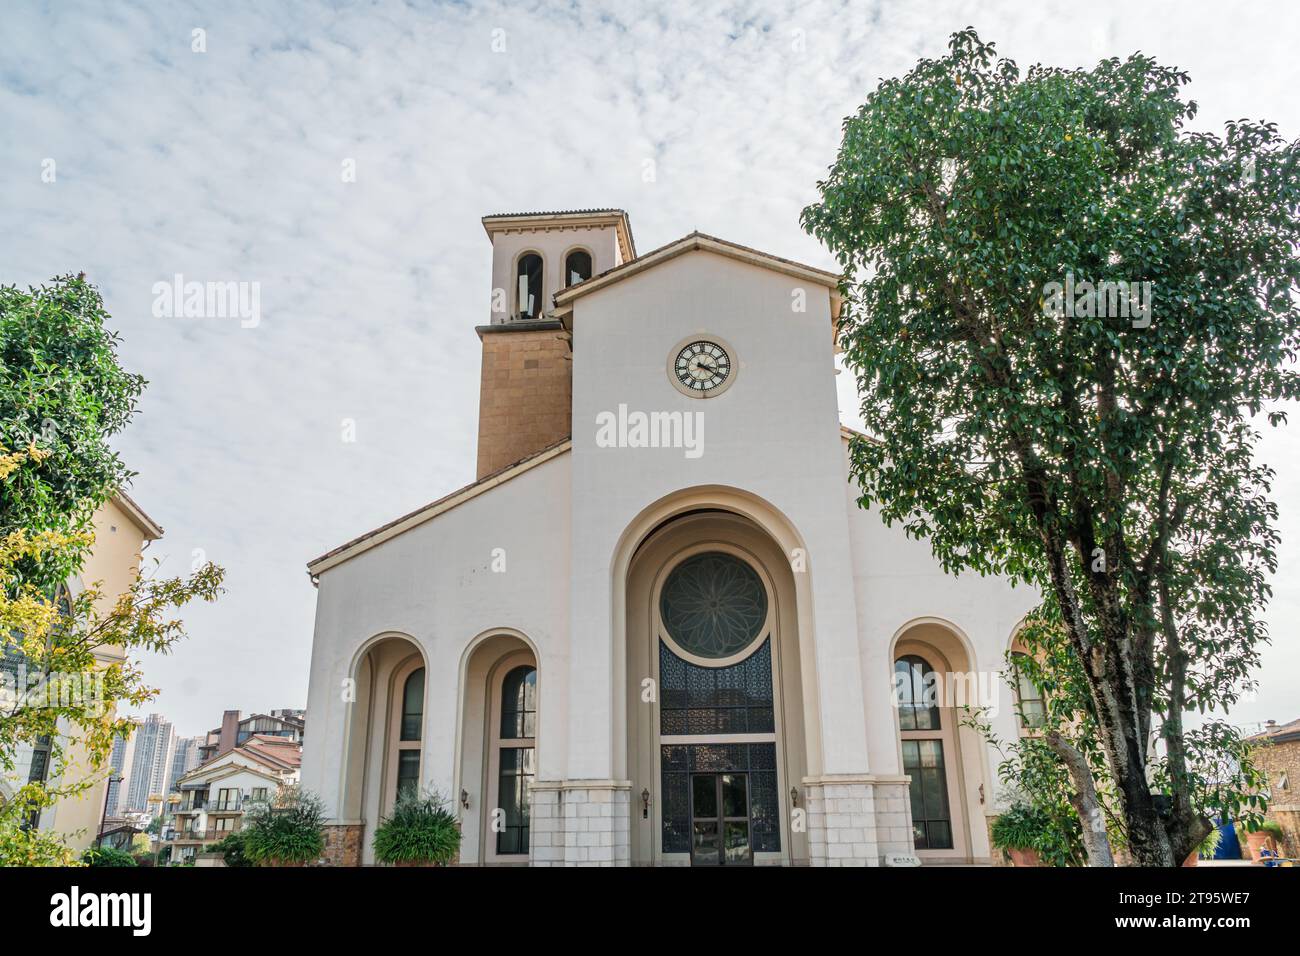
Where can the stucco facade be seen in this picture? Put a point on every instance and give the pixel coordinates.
(122, 532)
(564, 563)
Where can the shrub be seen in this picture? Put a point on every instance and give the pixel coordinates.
(289, 830)
(1019, 827)
(107, 856)
(1273, 829)
(233, 850)
(419, 830)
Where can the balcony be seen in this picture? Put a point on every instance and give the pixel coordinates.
(225, 806)
(210, 835)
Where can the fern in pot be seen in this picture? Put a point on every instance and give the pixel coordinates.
(421, 831)
(1018, 831)
(290, 831)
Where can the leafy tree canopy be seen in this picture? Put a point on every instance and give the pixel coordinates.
(1092, 440)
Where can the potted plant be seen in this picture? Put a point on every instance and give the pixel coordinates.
(289, 831)
(421, 831)
(1207, 847)
(1017, 831)
(1266, 836)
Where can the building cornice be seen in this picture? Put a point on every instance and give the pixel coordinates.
(565, 220)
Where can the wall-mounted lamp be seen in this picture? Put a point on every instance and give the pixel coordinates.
(794, 796)
(464, 799)
(645, 803)
(981, 794)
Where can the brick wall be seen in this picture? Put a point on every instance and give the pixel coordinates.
(1277, 760)
(343, 844)
(525, 392)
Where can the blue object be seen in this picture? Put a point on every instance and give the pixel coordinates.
(1229, 847)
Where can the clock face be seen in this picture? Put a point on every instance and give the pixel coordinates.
(701, 367)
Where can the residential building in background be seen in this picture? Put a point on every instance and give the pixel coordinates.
(121, 761)
(1276, 751)
(214, 796)
(234, 730)
(122, 532)
(155, 747)
(185, 760)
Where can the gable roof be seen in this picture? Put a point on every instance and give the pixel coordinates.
(444, 504)
(152, 529)
(698, 241)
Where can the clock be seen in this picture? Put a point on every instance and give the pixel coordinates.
(701, 367)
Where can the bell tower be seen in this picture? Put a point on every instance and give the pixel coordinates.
(526, 385)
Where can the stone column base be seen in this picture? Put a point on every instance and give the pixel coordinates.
(597, 817)
(343, 844)
(855, 820)
(546, 823)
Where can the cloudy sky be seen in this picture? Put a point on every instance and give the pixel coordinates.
(227, 164)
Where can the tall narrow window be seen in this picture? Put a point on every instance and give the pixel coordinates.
(1030, 705)
(516, 759)
(577, 267)
(528, 286)
(917, 693)
(406, 731)
(413, 705)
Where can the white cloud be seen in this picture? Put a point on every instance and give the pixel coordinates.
(226, 165)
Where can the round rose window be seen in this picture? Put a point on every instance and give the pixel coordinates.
(713, 605)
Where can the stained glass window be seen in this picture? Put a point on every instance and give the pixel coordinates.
(713, 605)
(736, 699)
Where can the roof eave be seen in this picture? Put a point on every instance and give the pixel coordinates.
(696, 241)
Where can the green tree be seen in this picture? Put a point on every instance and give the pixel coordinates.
(1097, 446)
(62, 397)
(62, 390)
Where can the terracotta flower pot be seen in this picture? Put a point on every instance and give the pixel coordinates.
(1192, 858)
(1257, 841)
(1024, 858)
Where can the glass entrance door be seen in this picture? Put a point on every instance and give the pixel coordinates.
(720, 820)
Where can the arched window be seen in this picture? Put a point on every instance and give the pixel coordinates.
(528, 286)
(410, 731)
(516, 743)
(577, 267)
(917, 687)
(1030, 706)
(917, 691)
(413, 705)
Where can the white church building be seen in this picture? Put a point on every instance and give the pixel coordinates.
(658, 629)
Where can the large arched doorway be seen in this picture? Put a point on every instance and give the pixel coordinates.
(715, 718)
(386, 732)
(498, 753)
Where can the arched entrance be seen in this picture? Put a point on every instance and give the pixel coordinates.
(716, 743)
(498, 753)
(386, 730)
